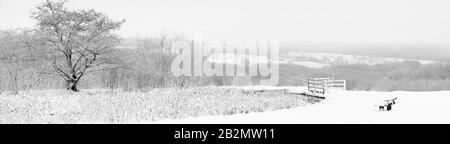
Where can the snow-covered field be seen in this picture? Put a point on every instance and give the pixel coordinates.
(311, 60)
(107, 106)
(348, 107)
(222, 105)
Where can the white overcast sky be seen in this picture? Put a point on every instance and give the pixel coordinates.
(361, 21)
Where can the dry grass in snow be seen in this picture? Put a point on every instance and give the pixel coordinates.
(105, 106)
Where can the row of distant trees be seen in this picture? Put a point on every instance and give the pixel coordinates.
(79, 48)
(73, 48)
(135, 64)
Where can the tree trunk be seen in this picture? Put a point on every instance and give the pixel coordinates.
(16, 84)
(72, 85)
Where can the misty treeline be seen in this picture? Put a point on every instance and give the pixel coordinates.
(139, 64)
(79, 48)
(72, 49)
(401, 76)
(407, 51)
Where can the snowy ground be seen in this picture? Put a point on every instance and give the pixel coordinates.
(347, 107)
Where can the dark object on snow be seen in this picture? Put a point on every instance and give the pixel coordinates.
(388, 105)
(381, 108)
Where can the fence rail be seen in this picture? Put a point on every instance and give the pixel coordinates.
(322, 85)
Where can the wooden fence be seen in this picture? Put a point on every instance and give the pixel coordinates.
(322, 85)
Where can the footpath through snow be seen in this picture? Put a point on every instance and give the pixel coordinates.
(347, 107)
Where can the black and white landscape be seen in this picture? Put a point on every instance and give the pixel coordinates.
(224, 61)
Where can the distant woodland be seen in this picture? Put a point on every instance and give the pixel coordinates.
(78, 49)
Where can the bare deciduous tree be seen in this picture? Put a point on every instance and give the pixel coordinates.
(74, 42)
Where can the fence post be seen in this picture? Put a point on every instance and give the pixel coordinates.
(345, 85)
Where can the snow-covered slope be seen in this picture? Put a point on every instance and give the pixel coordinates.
(311, 60)
(350, 107)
